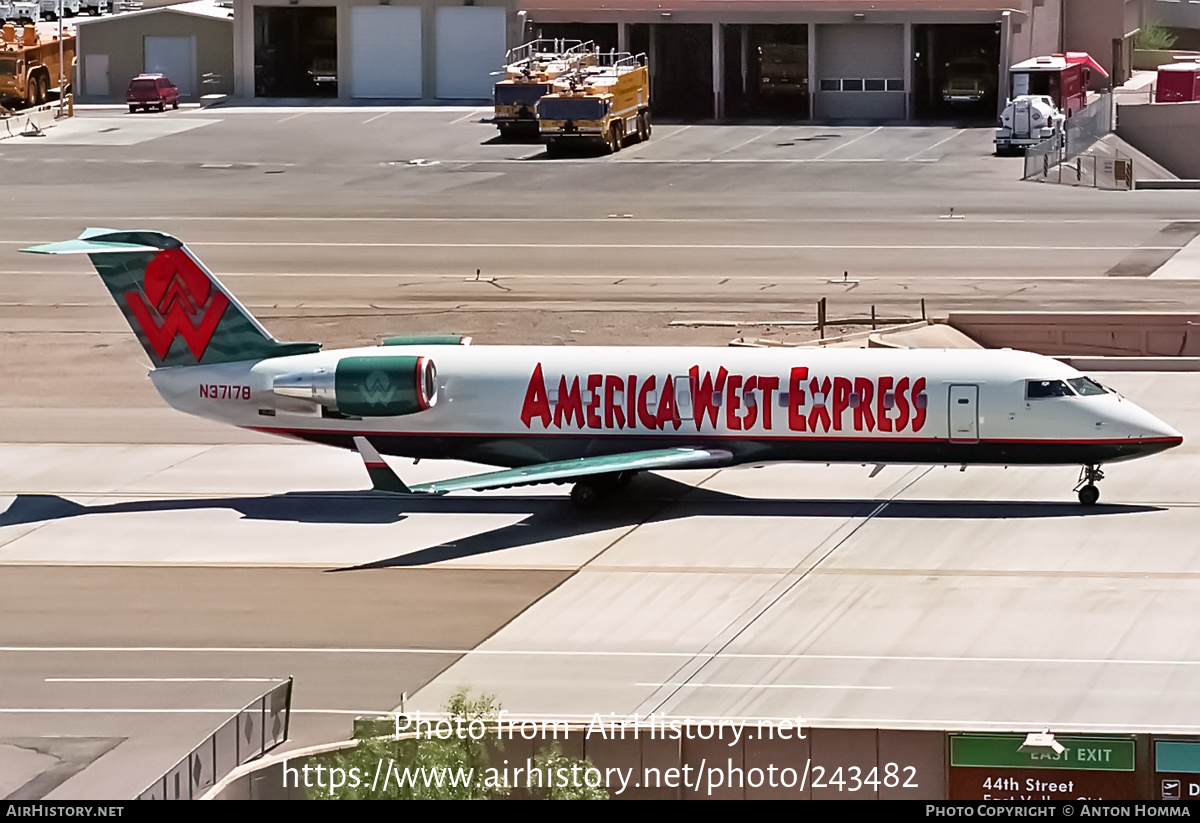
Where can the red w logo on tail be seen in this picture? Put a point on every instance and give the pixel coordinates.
(185, 303)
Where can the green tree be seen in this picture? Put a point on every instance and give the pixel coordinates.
(553, 762)
(431, 766)
(437, 765)
(1154, 37)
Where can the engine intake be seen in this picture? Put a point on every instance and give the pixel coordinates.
(367, 386)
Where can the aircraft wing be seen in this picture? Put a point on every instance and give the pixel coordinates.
(384, 479)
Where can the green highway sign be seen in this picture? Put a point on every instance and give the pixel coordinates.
(1178, 756)
(1080, 752)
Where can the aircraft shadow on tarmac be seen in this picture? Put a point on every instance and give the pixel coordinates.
(650, 497)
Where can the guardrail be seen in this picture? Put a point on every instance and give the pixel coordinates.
(255, 730)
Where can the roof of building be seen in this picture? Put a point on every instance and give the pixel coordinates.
(855, 6)
(197, 8)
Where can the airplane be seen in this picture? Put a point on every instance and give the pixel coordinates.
(596, 416)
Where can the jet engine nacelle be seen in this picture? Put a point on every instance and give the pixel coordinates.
(382, 386)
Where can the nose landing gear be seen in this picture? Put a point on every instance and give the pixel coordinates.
(1089, 476)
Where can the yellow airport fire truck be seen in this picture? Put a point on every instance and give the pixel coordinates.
(30, 67)
(530, 71)
(604, 104)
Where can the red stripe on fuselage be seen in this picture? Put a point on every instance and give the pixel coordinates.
(1111, 441)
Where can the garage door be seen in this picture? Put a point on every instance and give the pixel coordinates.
(860, 72)
(174, 57)
(385, 51)
(470, 46)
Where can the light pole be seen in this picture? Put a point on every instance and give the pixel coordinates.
(62, 73)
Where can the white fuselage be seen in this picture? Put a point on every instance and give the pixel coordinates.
(513, 406)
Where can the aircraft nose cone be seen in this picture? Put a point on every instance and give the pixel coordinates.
(1169, 434)
(1156, 431)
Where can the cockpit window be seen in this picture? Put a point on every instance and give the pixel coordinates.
(1035, 389)
(1087, 387)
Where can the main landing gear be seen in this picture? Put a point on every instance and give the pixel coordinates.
(1089, 476)
(589, 491)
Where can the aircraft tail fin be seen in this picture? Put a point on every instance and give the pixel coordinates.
(383, 479)
(178, 309)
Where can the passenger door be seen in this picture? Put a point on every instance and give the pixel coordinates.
(964, 414)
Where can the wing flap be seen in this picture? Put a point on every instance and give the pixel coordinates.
(562, 470)
(384, 479)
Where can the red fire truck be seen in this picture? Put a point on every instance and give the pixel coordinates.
(1061, 77)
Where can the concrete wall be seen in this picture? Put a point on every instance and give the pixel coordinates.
(831, 749)
(1094, 25)
(1085, 333)
(1165, 131)
(1148, 60)
(121, 37)
(1171, 13)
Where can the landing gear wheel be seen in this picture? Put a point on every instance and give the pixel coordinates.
(1089, 476)
(585, 496)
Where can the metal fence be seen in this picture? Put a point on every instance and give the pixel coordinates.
(1045, 163)
(1065, 158)
(1088, 126)
(255, 730)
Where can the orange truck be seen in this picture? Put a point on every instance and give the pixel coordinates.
(603, 105)
(30, 67)
(529, 72)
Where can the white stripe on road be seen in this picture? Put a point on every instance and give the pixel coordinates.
(841, 146)
(935, 145)
(1040, 220)
(837, 686)
(869, 658)
(163, 680)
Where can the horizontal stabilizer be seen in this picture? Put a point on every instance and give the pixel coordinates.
(89, 247)
(565, 470)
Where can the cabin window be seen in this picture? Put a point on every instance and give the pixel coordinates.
(1087, 387)
(683, 395)
(1038, 389)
